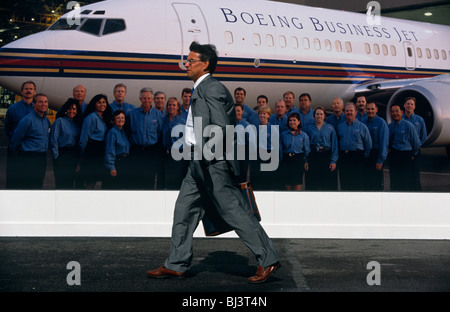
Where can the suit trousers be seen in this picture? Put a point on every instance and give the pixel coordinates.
(203, 184)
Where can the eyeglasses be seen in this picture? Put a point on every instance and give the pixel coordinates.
(191, 61)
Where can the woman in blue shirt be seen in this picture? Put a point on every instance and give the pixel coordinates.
(295, 147)
(117, 151)
(321, 173)
(97, 118)
(64, 139)
(174, 170)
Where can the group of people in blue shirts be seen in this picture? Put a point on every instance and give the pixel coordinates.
(95, 144)
(121, 146)
(345, 150)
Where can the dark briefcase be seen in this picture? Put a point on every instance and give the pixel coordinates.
(213, 223)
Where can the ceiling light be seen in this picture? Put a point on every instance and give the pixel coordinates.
(428, 14)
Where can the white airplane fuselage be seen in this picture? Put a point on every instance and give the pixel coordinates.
(265, 47)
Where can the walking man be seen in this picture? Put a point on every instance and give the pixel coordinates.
(212, 181)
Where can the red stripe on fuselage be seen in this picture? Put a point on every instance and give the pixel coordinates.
(49, 63)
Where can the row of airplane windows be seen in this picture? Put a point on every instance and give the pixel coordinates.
(316, 44)
(338, 46)
(428, 53)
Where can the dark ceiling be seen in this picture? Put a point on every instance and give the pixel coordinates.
(405, 9)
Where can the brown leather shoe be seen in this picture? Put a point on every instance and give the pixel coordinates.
(263, 274)
(163, 272)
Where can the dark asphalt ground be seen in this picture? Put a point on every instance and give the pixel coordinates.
(108, 264)
(34, 272)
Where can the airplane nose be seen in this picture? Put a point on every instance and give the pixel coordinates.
(24, 60)
(41, 40)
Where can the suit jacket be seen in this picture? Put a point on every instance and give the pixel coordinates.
(214, 104)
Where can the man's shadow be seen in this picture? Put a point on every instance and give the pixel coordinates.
(221, 263)
(224, 262)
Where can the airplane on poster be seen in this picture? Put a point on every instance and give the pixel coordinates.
(265, 47)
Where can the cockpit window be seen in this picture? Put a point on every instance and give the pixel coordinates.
(86, 12)
(92, 26)
(64, 24)
(113, 25)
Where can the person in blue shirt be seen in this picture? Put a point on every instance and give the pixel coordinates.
(338, 116)
(144, 130)
(260, 179)
(305, 110)
(185, 102)
(289, 100)
(30, 143)
(12, 118)
(355, 144)
(379, 132)
(246, 140)
(20, 109)
(361, 103)
(174, 170)
(117, 151)
(239, 98)
(280, 117)
(419, 124)
(97, 120)
(416, 120)
(64, 144)
(261, 101)
(120, 92)
(160, 100)
(79, 94)
(403, 146)
(295, 148)
(321, 173)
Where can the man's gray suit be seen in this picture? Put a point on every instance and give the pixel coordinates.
(212, 181)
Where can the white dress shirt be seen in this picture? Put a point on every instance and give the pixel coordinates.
(189, 130)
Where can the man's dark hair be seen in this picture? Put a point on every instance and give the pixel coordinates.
(399, 105)
(262, 96)
(186, 90)
(240, 89)
(305, 94)
(208, 52)
(28, 82)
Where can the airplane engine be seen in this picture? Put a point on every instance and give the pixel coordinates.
(432, 104)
